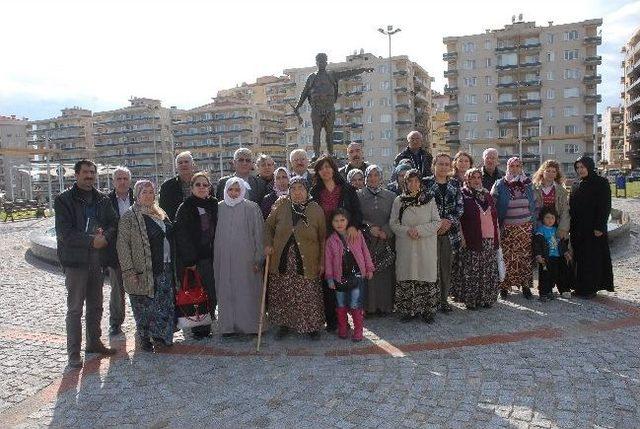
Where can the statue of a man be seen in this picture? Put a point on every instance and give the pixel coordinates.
(321, 89)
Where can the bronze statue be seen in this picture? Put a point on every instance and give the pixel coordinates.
(321, 89)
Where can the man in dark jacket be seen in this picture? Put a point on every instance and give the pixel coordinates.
(355, 160)
(490, 171)
(121, 198)
(175, 190)
(85, 224)
(420, 158)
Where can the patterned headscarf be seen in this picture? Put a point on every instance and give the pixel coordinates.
(299, 210)
(415, 199)
(154, 209)
(280, 192)
(373, 167)
(517, 183)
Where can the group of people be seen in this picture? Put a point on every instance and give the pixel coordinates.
(334, 241)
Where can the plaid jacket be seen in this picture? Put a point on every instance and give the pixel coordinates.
(450, 207)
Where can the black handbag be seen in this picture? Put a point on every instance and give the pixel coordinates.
(382, 254)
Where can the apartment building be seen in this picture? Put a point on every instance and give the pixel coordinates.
(631, 98)
(214, 131)
(138, 136)
(263, 91)
(528, 85)
(439, 132)
(14, 181)
(68, 138)
(613, 137)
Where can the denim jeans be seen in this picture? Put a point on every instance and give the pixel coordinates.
(353, 298)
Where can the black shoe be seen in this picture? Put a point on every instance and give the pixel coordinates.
(428, 318)
(114, 330)
(543, 298)
(146, 344)
(472, 307)
(101, 349)
(526, 292)
(315, 336)
(283, 331)
(229, 335)
(75, 361)
(446, 308)
(331, 328)
(504, 294)
(487, 305)
(406, 318)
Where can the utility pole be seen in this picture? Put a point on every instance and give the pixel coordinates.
(390, 31)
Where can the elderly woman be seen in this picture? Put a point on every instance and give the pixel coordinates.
(355, 177)
(479, 280)
(237, 257)
(294, 236)
(516, 207)
(195, 227)
(280, 188)
(462, 161)
(415, 223)
(397, 180)
(146, 256)
(331, 191)
(376, 203)
(549, 192)
(590, 205)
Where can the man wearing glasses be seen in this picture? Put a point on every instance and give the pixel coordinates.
(175, 190)
(242, 166)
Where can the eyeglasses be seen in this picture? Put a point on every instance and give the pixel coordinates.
(243, 159)
(201, 185)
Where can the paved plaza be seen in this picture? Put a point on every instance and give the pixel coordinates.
(523, 364)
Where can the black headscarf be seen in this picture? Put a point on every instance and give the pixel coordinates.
(299, 211)
(588, 162)
(417, 199)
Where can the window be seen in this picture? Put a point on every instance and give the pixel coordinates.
(369, 103)
(571, 148)
(386, 151)
(569, 111)
(384, 84)
(382, 69)
(571, 54)
(487, 80)
(384, 102)
(505, 96)
(488, 98)
(371, 135)
(570, 129)
(471, 134)
(469, 64)
(550, 56)
(571, 35)
(551, 94)
(366, 87)
(571, 93)
(471, 117)
(550, 75)
(385, 118)
(470, 81)
(369, 119)
(550, 130)
(552, 112)
(385, 134)
(488, 45)
(488, 133)
(369, 152)
(550, 38)
(571, 74)
(508, 59)
(468, 47)
(504, 132)
(470, 99)
(488, 116)
(487, 63)
(551, 150)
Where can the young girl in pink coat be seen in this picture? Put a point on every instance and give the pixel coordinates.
(347, 265)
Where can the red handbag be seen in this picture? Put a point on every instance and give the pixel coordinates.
(192, 301)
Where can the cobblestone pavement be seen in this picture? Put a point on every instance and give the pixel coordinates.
(523, 364)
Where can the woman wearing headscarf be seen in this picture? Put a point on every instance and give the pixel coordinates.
(237, 258)
(478, 278)
(376, 203)
(415, 222)
(397, 178)
(280, 189)
(294, 237)
(146, 255)
(355, 178)
(590, 205)
(516, 207)
(195, 226)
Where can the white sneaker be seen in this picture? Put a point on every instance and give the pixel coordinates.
(566, 295)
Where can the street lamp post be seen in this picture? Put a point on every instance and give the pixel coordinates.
(48, 155)
(155, 147)
(390, 31)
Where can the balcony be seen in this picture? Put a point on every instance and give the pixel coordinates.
(452, 124)
(593, 40)
(507, 85)
(449, 56)
(353, 92)
(450, 89)
(401, 89)
(532, 64)
(507, 67)
(589, 98)
(403, 106)
(353, 109)
(451, 73)
(400, 73)
(404, 122)
(592, 79)
(593, 60)
(531, 101)
(589, 118)
(452, 141)
(532, 119)
(531, 83)
(507, 48)
(356, 125)
(507, 104)
(532, 45)
(451, 108)
(507, 121)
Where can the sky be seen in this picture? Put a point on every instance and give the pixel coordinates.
(97, 54)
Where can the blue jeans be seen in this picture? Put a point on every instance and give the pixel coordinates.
(353, 298)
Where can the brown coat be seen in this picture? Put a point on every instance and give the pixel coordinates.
(310, 239)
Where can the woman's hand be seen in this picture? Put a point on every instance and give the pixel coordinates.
(268, 250)
(413, 233)
(256, 268)
(134, 278)
(598, 233)
(369, 275)
(352, 233)
(192, 267)
(562, 234)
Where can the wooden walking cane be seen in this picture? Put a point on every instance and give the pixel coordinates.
(264, 296)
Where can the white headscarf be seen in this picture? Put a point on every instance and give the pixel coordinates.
(280, 192)
(244, 186)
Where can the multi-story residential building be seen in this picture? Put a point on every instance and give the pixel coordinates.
(14, 181)
(439, 118)
(138, 136)
(613, 137)
(528, 85)
(67, 139)
(259, 92)
(377, 109)
(631, 98)
(214, 131)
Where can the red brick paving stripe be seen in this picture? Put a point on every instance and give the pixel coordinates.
(14, 333)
